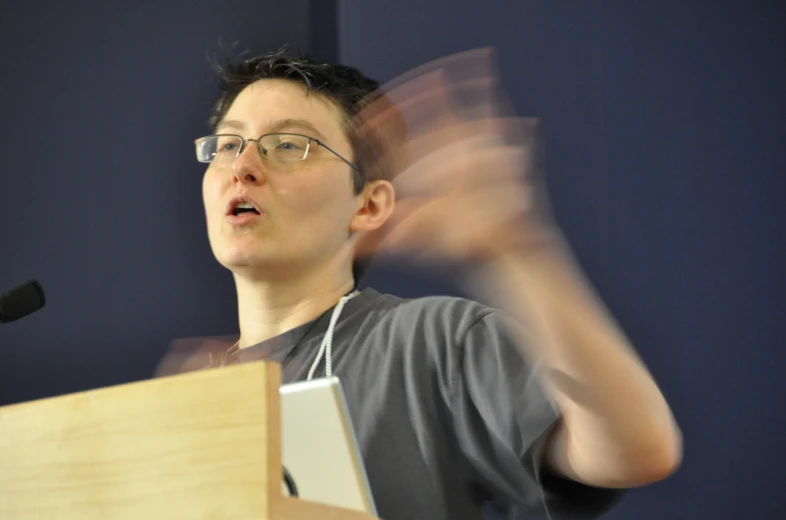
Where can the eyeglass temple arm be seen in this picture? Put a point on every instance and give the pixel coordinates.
(320, 143)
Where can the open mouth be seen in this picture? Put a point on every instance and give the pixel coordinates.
(244, 207)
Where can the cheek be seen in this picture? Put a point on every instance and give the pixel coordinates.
(315, 200)
(213, 204)
(211, 191)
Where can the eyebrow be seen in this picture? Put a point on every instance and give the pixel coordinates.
(278, 126)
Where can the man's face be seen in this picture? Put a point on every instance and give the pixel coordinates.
(306, 208)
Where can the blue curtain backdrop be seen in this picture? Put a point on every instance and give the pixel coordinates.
(664, 124)
(100, 197)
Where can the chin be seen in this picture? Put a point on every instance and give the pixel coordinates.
(237, 254)
(241, 259)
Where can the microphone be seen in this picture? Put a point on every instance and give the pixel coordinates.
(20, 300)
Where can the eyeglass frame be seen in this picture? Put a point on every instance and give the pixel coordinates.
(244, 141)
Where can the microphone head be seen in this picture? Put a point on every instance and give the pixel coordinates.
(21, 300)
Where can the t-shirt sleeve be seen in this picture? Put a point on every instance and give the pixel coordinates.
(502, 419)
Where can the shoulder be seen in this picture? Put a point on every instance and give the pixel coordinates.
(450, 316)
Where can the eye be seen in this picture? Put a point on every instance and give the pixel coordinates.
(227, 146)
(291, 143)
(224, 147)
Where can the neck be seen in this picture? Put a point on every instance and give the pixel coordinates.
(267, 308)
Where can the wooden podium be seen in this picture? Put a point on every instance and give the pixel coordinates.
(203, 445)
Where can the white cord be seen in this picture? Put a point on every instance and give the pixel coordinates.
(326, 347)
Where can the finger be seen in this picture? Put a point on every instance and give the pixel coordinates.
(463, 83)
(434, 108)
(422, 110)
(427, 108)
(467, 164)
(416, 229)
(459, 67)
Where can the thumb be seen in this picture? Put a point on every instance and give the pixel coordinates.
(388, 236)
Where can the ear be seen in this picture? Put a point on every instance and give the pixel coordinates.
(375, 205)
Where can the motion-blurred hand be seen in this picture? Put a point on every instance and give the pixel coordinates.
(465, 175)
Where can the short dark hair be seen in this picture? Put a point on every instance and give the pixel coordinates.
(343, 85)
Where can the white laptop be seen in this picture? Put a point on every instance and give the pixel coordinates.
(319, 447)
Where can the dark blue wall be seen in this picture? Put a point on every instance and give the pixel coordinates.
(100, 192)
(664, 124)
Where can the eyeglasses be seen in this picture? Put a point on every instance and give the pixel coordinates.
(279, 149)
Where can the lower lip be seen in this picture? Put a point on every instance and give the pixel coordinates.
(242, 219)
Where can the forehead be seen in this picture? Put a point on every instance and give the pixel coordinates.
(269, 101)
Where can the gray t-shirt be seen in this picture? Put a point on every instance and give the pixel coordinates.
(449, 416)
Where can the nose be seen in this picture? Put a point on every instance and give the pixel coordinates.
(248, 168)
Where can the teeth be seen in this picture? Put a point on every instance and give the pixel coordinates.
(245, 205)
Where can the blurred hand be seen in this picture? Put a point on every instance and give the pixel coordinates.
(465, 174)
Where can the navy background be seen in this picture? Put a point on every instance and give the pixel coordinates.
(664, 123)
